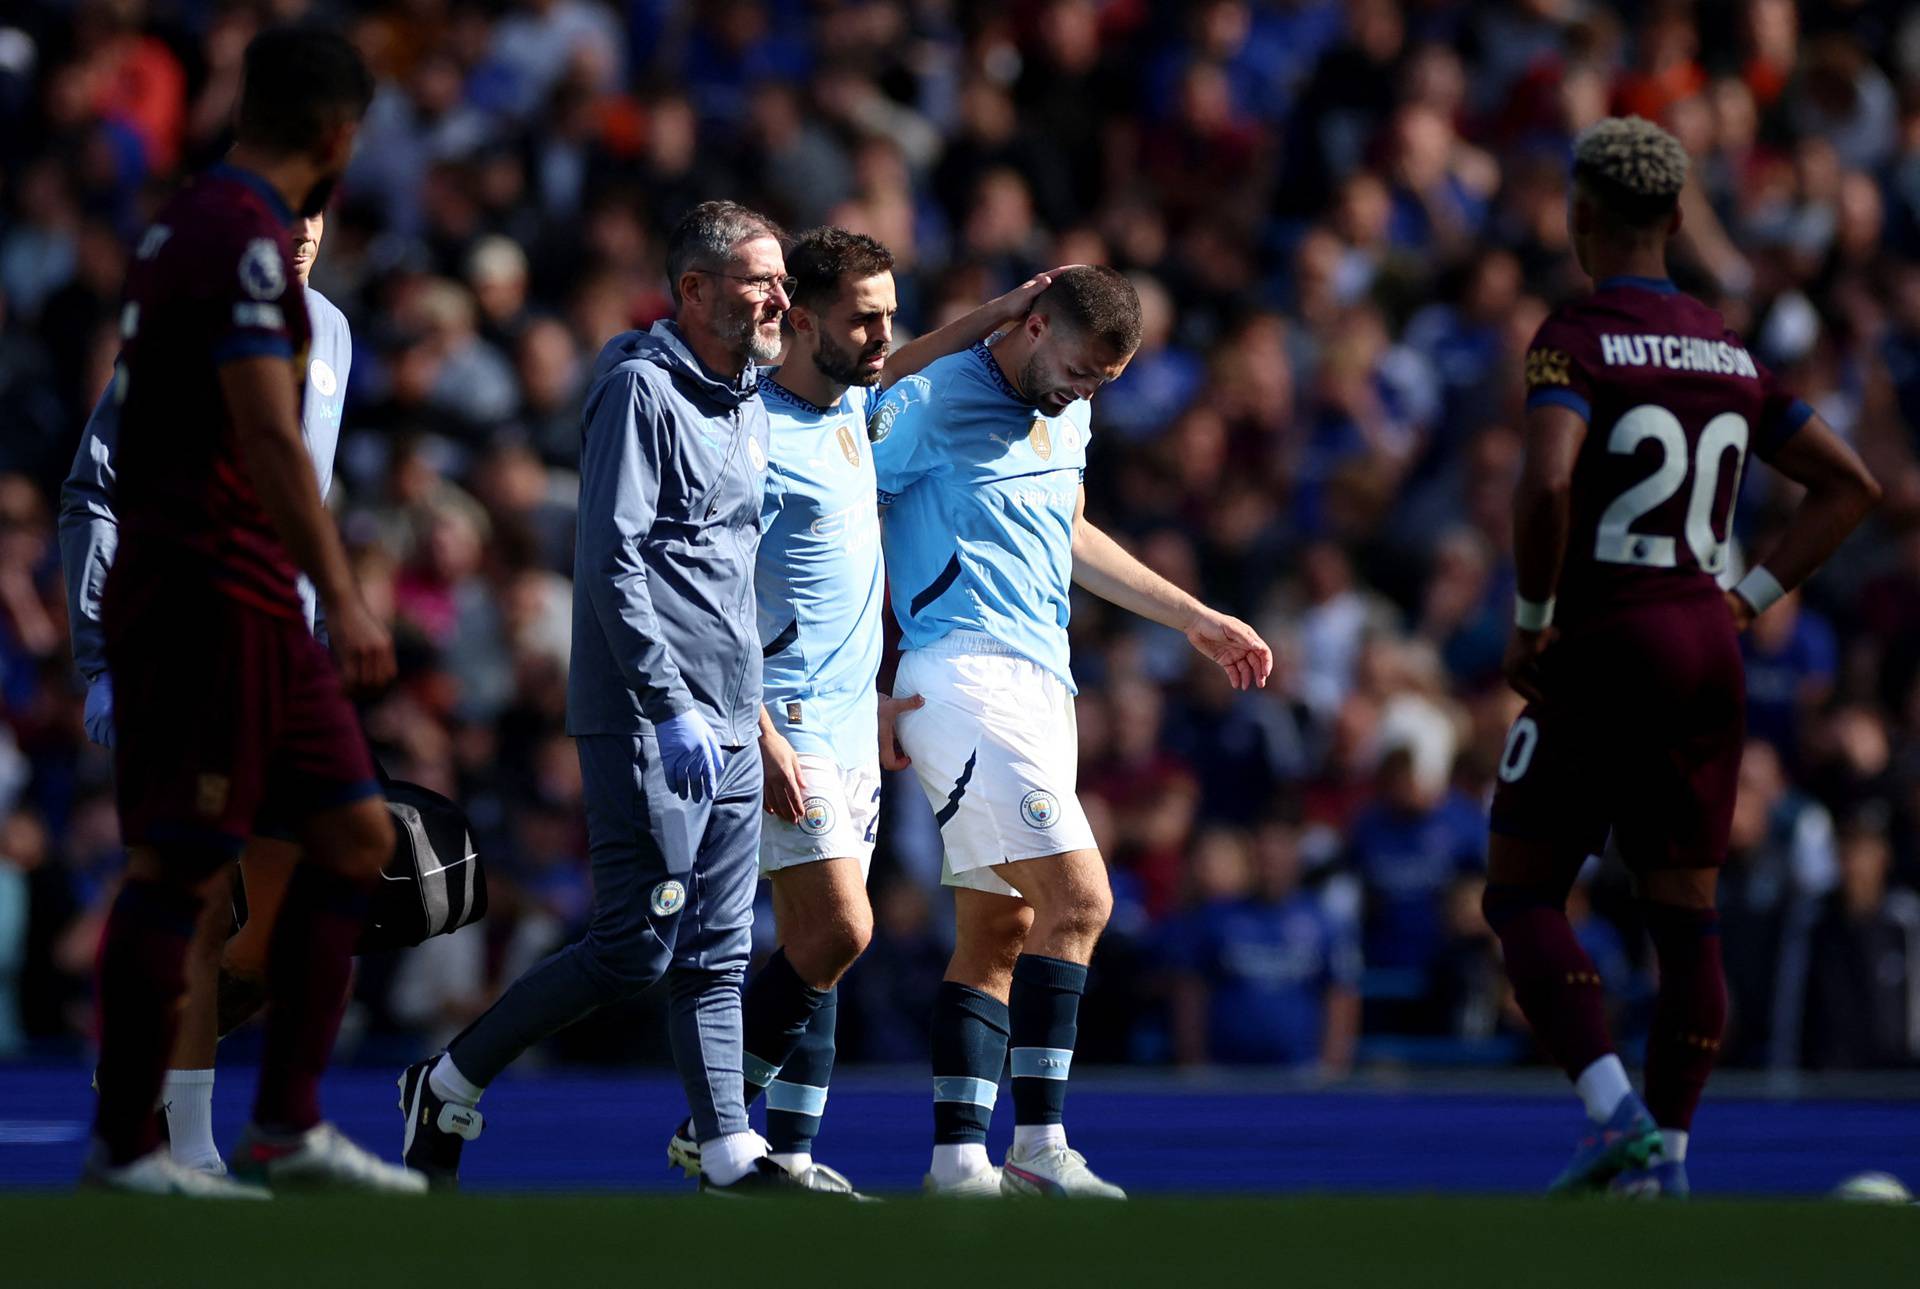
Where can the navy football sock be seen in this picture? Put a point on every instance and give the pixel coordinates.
(797, 1099)
(969, 1049)
(1045, 1011)
(778, 1007)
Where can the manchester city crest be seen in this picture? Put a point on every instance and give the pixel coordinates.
(668, 899)
(1039, 809)
(881, 424)
(816, 816)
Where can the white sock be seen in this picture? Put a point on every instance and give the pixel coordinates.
(188, 1097)
(1603, 1086)
(725, 1160)
(796, 1163)
(1029, 1137)
(450, 1085)
(953, 1164)
(1673, 1145)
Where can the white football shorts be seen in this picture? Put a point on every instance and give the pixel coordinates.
(997, 753)
(842, 811)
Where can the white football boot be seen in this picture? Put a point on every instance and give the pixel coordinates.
(321, 1158)
(159, 1174)
(1056, 1172)
(985, 1184)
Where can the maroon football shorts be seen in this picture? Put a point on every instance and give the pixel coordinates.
(1640, 733)
(225, 717)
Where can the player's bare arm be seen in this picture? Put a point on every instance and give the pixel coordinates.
(261, 398)
(786, 788)
(1840, 493)
(1101, 565)
(1542, 515)
(892, 756)
(969, 328)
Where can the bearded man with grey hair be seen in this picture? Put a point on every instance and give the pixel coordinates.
(663, 699)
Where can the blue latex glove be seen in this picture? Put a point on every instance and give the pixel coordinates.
(690, 754)
(99, 713)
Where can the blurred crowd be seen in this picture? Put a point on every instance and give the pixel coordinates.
(1345, 219)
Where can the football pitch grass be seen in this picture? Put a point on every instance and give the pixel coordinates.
(558, 1241)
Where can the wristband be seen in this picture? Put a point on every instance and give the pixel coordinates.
(1759, 588)
(1532, 615)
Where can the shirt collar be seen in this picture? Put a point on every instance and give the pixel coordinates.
(1657, 285)
(992, 364)
(772, 388)
(267, 192)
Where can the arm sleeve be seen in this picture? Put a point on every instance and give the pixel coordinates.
(1559, 368)
(897, 430)
(251, 302)
(1781, 412)
(620, 462)
(89, 530)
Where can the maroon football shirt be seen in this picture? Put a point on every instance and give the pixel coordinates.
(211, 281)
(1673, 404)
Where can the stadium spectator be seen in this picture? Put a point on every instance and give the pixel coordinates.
(1321, 425)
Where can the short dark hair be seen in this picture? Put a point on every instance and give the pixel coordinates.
(823, 258)
(1095, 301)
(706, 236)
(1632, 169)
(297, 84)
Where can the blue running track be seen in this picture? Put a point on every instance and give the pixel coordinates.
(575, 1131)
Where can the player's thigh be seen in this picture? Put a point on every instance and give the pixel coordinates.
(1553, 795)
(1071, 886)
(321, 784)
(822, 917)
(197, 696)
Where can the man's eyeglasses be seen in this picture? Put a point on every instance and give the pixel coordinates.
(762, 284)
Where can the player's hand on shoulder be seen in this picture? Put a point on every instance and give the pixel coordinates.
(361, 643)
(1743, 614)
(891, 757)
(1234, 645)
(786, 788)
(1521, 666)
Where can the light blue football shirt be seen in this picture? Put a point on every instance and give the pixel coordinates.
(981, 490)
(818, 577)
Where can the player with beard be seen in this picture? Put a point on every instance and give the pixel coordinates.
(820, 590)
(663, 698)
(226, 708)
(980, 460)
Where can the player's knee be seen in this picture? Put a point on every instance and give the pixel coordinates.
(623, 965)
(822, 951)
(356, 842)
(1501, 904)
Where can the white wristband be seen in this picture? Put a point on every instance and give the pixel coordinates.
(1532, 615)
(1760, 588)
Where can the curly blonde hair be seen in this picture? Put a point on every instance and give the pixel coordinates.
(1632, 167)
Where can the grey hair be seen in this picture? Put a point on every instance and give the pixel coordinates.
(706, 236)
(1635, 168)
